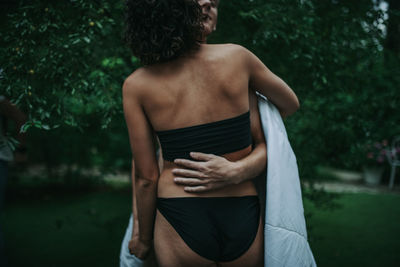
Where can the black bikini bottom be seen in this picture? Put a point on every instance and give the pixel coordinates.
(220, 229)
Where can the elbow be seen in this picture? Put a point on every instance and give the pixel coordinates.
(145, 178)
(264, 155)
(260, 145)
(293, 108)
(261, 149)
(146, 183)
(296, 105)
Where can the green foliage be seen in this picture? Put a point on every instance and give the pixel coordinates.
(64, 63)
(108, 150)
(331, 54)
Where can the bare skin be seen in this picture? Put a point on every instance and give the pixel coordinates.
(208, 172)
(182, 255)
(210, 12)
(178, 94)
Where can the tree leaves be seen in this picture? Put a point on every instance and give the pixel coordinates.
(54, 51)
(330, 53)
(64, 63)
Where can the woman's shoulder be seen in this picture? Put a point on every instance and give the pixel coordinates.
(228, 47)
(231, 51)
(133, 84)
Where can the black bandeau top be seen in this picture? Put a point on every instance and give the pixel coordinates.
(219, 137)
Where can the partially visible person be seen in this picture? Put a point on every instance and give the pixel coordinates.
(9, 111)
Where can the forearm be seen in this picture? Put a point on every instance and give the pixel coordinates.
(146, 195)
(135, 230)
(252, 165)
(134, 194)
(255, 162)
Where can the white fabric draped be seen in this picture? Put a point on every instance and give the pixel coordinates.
(285, 233)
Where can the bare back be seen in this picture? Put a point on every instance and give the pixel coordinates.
(209, 85)
(196, 89)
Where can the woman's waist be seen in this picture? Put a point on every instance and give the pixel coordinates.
(231, 156)
(168, 188)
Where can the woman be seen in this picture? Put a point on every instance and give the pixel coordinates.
(209, 171)
(164, 34)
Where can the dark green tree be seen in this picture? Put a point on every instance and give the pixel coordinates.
(331, 54)
(64, 63)
(393, 28)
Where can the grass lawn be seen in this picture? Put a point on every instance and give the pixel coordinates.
(71, 231)
(87, 230)
(364, 232)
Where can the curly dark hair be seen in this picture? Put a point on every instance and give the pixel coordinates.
(162, 30)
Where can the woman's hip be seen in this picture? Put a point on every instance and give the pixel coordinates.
(218, 229)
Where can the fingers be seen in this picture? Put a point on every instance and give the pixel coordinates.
(196, 189)
(202, 156)
(188, 173)
(198, 162)
(202, 188)
(189, 164)
(190, 181)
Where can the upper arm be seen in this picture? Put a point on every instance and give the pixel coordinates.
(140, 132)
(270, 85)
(255, 122)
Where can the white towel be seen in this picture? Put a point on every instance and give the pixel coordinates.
(285, 233)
